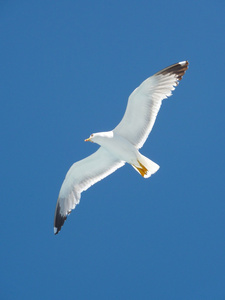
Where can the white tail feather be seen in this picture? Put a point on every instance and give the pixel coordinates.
(146, 166)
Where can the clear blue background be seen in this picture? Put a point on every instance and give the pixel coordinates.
(67, 69)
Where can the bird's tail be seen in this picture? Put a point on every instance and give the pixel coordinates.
(145, 166)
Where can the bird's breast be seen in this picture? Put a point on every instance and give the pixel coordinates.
(120, 148)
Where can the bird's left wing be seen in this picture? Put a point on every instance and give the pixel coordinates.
(79, 178)
(145, 101)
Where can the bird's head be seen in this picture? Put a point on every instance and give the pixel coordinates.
(99, 137)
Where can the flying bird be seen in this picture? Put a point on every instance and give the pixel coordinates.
(122, 144)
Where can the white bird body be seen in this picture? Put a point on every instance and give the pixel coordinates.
(123, 150)
(122, 144)
(117, 145)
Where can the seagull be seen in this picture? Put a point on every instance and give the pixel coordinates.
(122, 144)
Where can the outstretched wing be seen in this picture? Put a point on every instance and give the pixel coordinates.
(79, 178)
(145, 101)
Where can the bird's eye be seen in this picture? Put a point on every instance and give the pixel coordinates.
(91, 135)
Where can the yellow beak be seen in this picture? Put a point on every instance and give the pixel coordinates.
(88, 140)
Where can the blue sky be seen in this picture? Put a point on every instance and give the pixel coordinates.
(67, 69)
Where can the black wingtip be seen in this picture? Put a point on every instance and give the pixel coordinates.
(59, 220)
(178, 69)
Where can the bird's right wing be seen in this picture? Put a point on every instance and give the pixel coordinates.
(145, 101)
(79, 178)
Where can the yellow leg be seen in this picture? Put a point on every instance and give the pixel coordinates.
(142, 170)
